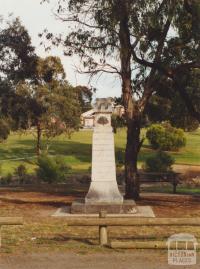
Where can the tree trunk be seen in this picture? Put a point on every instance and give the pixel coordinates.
(132, 111)
(39, 134)
(132, 189)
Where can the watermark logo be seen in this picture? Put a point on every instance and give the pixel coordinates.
(182, 249)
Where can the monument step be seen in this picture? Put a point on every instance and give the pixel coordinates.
(127, 207)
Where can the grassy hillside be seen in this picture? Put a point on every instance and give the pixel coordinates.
(77, 150)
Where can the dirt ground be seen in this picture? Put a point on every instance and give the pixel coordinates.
(131, 260)
(37, 202)
(184, 168)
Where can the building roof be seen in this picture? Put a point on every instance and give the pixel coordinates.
(88, 113)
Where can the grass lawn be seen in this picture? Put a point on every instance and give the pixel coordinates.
(77, 150)
(181, 189)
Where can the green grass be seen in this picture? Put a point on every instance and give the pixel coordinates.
(181, 189)
(189, 155)
(77, 150)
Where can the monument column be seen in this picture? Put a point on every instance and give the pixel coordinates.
(103, 188)
(103, 193)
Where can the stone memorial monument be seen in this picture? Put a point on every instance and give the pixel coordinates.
(103, 188)
(103, 193)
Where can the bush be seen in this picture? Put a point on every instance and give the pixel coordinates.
(160, 162)
(6, 180)
(4, 130)
(120, 158)
(21, 173)
(52, 169)
(165, 137)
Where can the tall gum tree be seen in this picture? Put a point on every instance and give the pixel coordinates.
(141, 42)
(51, 104)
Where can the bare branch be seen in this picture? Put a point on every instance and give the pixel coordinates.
(76, 20)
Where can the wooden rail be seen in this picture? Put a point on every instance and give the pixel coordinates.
(131, 221)
(103, 222)
(9, 221)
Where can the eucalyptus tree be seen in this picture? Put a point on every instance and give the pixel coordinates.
(17, 55)
(51, 104)
(141, 42)
(34, 91)
(17, 62)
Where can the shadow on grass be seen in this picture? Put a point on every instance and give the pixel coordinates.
(25, 148)
(85, 240)
(145, 153)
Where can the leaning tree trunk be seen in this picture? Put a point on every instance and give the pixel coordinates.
(132, 189)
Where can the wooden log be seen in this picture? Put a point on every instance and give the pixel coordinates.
(111, 221)
(103, 234)
(150, 245)
(11, 221)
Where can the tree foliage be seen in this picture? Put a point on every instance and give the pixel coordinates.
(167, 105)
(34, 91)
(17, 55)
(51, 103)
(17, 62)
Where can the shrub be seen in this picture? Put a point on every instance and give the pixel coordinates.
(4, 130)
(159, 162)
(165, 137)
(21, 173)
(52, 169)
(119, 158)
(6, 180)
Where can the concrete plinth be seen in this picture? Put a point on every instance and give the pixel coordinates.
(80, 207)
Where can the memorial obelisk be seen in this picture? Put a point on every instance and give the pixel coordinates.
(103, 188)
(103, 193)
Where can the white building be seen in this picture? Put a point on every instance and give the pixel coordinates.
(87, 118)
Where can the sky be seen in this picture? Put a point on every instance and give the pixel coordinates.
(36, 17)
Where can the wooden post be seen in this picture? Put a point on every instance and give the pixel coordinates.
(0, 236)
(103, 234)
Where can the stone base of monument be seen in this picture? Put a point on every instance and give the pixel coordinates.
(82, 207)
(142, 212)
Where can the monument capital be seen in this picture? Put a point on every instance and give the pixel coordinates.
(103, 105)
(103, 109)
